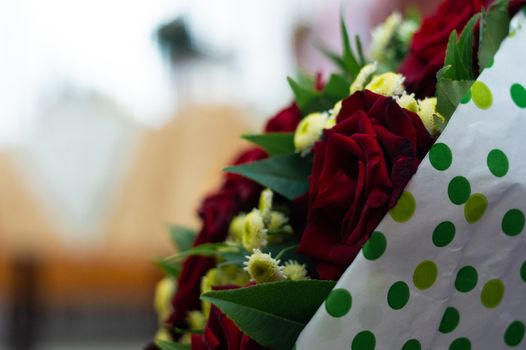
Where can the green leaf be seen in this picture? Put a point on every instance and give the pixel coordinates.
(449, 93)
(285, 174)
(170, 268)
(207, 250)
(337, 88)
(273, 314)
(352, 67)
(494, 28)
(307, 98)
(182, 237)
(169, 345)
(273, 143)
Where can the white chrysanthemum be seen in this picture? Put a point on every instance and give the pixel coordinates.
(262, 268)
(164, 292)
(383, 34)
(406, 31)
(387, 84)
(429, 115)
(265, 204)
(162, 335)
(309, 131)
(295, 271)
(363, 77)
(407, 101)
(235, 230)
(254, 231)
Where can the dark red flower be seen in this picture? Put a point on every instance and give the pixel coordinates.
(221, 333)
(217, 210)
(285, 121)
(361, 167)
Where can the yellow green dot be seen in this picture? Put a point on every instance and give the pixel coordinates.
(475, 207)
(481, 95)
(513, 222)
(364, 340)
(466, 98)
(412, 344)
(467, 279)
(518, 95)
(460, 344)
(514, 333)
(375, 246)
(440, 156)
(404, 208)
(425, 275)
(449, 321)
(492, 293)
(498, 163)
(398, 295)
(443, 234)
(338, 303)
(459, 190)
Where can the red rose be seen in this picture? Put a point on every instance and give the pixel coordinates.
(221, 333)
(361, 167)
(237, 194)
(285, 121)
(428, 48)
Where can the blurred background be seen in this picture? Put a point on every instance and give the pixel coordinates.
(116, 117)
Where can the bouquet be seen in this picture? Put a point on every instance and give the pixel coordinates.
(358, 219)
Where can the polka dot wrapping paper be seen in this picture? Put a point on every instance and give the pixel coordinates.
(446, 268)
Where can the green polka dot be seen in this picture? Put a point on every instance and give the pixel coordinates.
(491, 62)
(481, 95)
(375, 246)
(338, 303)
(466, 98)
(498, 163)
(514, 333)
(443, 234)
(425, 275)
(460, 344)
(449, 321)
(364, 340)
(518, 95)
(405, 208)
(459, 190)
(398, 295)
(513, 222)
(492, 293)
(523, 271)
(440, 156)
(412, 344)
(467, 279)
(475, 207)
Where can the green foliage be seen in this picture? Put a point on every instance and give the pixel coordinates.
(207, 250)
(169, 345)
(285, 174)
(273, 314)
(310, 100)
(182, 237)
(349, 62)
(494, 28)
(170, 268)
(273, 143)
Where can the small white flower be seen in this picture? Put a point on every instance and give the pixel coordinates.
(407, 101)
(363, 76)
(265, 204)
(235, 230)
(262, 268)
(309, 131)
(295, 271)
(387, 84)
(382, 36)
(430, 117)
(254, 231)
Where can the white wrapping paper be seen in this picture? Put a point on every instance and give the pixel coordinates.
(450, 271)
